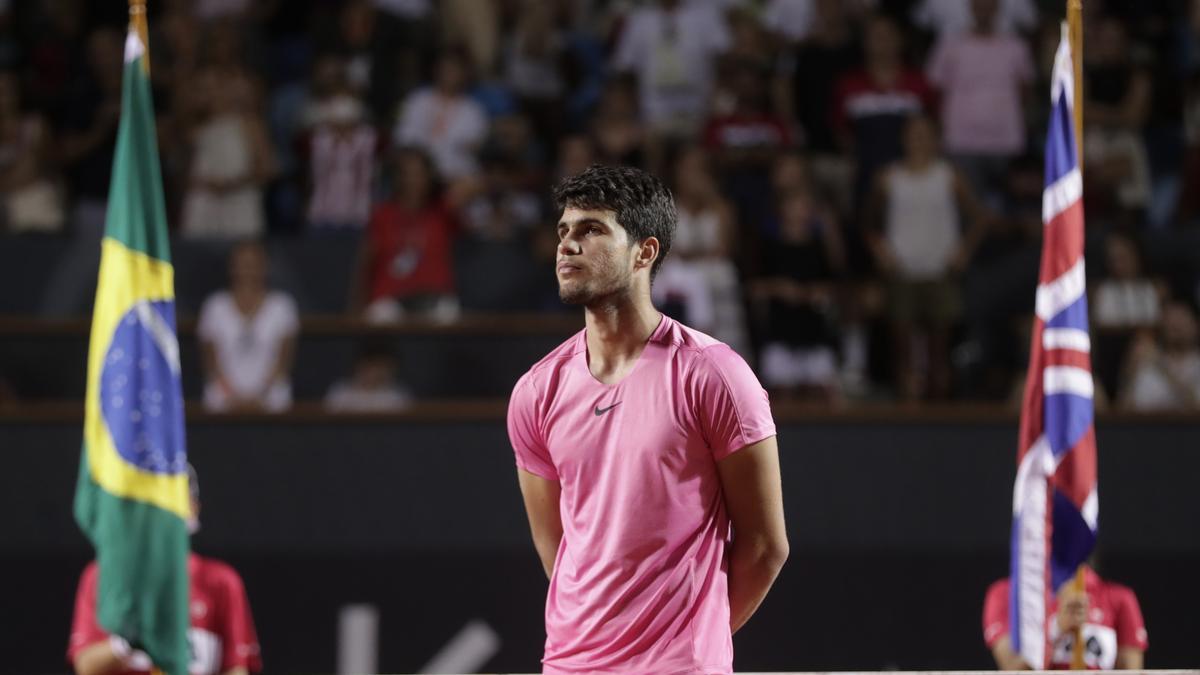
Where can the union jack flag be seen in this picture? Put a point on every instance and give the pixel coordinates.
(1055, 503)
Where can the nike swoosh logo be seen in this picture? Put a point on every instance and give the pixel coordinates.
(600, 411)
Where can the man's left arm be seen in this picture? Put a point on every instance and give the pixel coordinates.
(754, 500)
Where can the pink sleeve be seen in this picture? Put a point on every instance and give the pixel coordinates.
(525, 432)
(85, 632)
(995, 613)
(1131, 629)
(241, 640)
(733, 408)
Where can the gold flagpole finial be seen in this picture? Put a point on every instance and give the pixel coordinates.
(137, 21)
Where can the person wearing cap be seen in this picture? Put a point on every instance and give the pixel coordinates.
(222, 637)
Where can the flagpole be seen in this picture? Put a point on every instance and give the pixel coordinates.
(1075, 34)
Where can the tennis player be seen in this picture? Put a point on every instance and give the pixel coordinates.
(646, 455)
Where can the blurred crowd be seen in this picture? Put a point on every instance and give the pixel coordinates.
(858, 181)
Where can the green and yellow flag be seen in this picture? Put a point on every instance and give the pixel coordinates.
(132, 495)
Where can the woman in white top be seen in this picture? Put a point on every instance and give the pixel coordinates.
(231, 159)
(444, 121)
(700, 271)
(248, 338)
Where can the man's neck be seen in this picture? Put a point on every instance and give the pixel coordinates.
(617, 331)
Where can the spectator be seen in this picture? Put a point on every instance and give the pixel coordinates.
(671, 48)
(1119, 94)
(946, 18)
(793, 21)
(31, 198)
(1126, 298)
(444, 120)
(372, 386)
(509, 201)
(88, 130)
(745, 140)
(406, 263)
(341, 156)
(248, 338)
(1107, 615)
(231, 151)
(982, 76)
(537, 66)
(617, 131)
(794, 301)
(221, 634)
(1163, 372)
(805, 88)
(699, 272)
(921, 249)
(873, 104)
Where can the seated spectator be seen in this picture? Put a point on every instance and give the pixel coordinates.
(372, 387)
(248, 338)
(406, 263)
(920, 247)
(1162, 371)
(1107, 615)
(983, 75)
(795, 300)
(341, 155)
(699, 273)
(443, 120)
(671, 46)
(508, 202)
(232, 159)
(794, 21)
(31, 198)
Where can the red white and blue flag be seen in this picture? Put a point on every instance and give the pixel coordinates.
(1055, 503)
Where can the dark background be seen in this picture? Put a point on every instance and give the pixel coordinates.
(897, 525)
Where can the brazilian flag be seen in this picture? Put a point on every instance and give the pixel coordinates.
(132, 496)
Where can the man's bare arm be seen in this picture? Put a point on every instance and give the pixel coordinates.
(754, 499)
(1130, 658)
(545, 521)
(1006, 658)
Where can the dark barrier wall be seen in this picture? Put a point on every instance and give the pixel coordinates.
(896, 529)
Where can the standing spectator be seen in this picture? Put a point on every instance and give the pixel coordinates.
(372, 387)
(746, 140)
(806, 85)
(671, 47)
(537, 64)
(700, 271)
(231, 151)
(444, 120)
(341, 156)
(1163, 372)
(1126, 297)
(921, 249)
(31, 198)
(1107, 614)
(1119, 93)
(794, 301)
(88, 130)
(248, 338)
(983, 75)
(617, 130)
(951, 17)
(795, 21)
(221, 633)
(873, 104)
(406, 263)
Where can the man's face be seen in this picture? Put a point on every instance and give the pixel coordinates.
(595, 257)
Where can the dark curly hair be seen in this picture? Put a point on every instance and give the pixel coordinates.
(642, 203)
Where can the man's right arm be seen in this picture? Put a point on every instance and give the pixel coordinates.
(545, 521)
(1006, 657)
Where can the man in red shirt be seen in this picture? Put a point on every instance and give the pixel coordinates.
(221, 637)
(1111, 620)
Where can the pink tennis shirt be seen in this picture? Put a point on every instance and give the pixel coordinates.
(639, 583)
